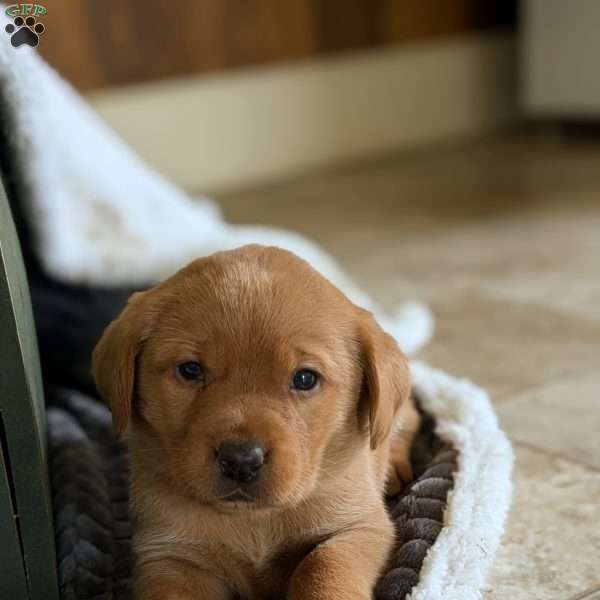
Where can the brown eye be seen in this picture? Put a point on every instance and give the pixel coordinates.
(191, 371)
(304, 380)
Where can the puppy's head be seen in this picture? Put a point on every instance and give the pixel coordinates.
(246, 376)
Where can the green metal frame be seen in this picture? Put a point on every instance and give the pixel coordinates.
(27, 551)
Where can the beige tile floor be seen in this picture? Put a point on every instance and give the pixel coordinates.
(502, 239)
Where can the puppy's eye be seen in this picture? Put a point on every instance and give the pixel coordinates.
(304, 380)
(191, 371)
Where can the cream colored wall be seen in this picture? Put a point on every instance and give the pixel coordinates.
(219, 132)
(560, 54)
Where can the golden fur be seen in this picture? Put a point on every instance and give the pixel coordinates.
(315, 526)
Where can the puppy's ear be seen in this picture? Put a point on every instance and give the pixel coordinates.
(113, 359)
(386, 377)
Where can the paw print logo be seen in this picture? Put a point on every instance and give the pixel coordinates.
(25, 31)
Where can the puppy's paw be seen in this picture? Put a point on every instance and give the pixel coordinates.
(400, 475)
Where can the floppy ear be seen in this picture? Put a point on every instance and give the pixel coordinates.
(113, 359)
(387, 378)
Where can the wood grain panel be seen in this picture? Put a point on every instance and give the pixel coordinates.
(347, 24)
(68, 44)
(97, 44)
(418, 19)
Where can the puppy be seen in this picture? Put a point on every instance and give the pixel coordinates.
(265, 415)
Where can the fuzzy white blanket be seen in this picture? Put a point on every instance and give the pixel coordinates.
(101, 216)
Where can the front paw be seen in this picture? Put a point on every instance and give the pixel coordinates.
(400, 475)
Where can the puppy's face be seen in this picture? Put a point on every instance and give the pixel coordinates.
(247, 375)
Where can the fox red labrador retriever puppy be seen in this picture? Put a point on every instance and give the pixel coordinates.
(265, 415)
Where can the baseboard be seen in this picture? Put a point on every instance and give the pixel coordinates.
(243, 128)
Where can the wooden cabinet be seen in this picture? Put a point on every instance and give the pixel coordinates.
(98, 44)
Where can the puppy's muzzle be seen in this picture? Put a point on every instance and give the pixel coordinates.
(241, 461)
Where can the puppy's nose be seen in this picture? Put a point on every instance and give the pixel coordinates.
(241, 461)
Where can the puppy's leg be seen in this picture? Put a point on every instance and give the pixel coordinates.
(171, 580)
(406, 428)
(346, 566)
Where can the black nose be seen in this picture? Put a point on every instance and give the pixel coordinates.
(241, 461)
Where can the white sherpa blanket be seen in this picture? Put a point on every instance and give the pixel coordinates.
(458, 561)
(101, 216)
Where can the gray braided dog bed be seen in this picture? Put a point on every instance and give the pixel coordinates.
(93, 531)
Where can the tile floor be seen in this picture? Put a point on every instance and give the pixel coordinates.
(502, 239)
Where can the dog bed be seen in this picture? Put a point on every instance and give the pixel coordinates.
(448, 520)
(90, 492)
(96, 223)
